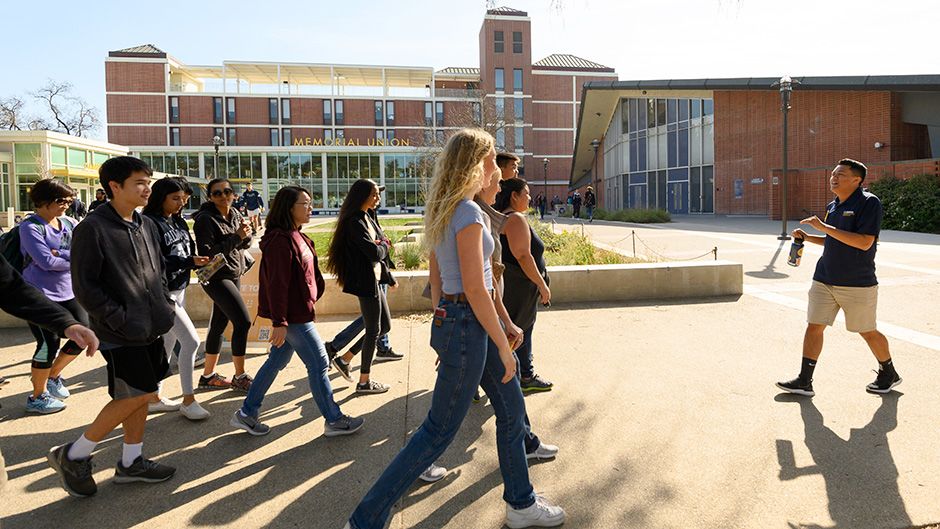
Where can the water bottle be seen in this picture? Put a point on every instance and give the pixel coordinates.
(796, 252)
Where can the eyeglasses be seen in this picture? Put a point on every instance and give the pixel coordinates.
(219, 192)
(64, 201)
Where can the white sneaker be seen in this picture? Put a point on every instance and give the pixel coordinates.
(544, 451)
(433, 473)
(194, 412)
(539, 514)
(164, 405)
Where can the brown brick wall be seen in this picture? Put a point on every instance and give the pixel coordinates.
(490, 60)
(552, 88)
(306, 111)
(196, 136)
(196, 109)
(136, 109)
(251, 111)
(409, 113)
(249, 136)
(134, 77)
(132, 136)
(361, 111)
(550, 115)
(908, 141)
(550, 142)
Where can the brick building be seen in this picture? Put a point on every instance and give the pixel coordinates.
(715, 146)
(323, 125)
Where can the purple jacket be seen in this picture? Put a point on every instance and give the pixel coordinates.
(49, 273)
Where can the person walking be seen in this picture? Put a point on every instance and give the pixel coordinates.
(254, 205)
(526, 281)
(45, 243)
(540, 204)
(590, 202)
(167, 198)
(462, 290)
(290, 285)
(118, 277)
(845, 277)
(576, 202)
(100, 198)
(357, 257)
(221, 229)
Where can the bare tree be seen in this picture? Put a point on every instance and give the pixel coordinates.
(12, 115)
(70, 114)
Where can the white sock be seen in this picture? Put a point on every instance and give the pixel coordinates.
(131, 453)
(81, 449)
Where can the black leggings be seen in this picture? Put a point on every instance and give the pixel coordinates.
(378, 321)
(227, 306)
(47, 342)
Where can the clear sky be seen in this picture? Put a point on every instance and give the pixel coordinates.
(641, 39)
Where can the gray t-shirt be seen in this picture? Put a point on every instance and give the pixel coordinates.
(467, 213)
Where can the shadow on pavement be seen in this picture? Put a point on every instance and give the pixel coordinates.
(860, 474)
(769, 271)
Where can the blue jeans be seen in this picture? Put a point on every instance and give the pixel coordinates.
(466, 361)
(590, 210)
(502, 392)
(303, 338)
(524, 352)
(345, 336)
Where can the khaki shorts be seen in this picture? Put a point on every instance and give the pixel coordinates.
(859, 304)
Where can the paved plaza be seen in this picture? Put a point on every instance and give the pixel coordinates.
(666, 415)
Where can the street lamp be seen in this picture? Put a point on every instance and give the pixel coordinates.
(595, 143)
(786, 88)
(545, 180)
(217, 142)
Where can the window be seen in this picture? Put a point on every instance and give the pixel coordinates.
(328, 134)
(660, 112)
(379, 114)
(340, 133)
(518, 139)
(217, 110)
(696, 108)
(174, 136)
(517, 79)
(218, 132)
(389, 113)
(275, 138)
(439, 136)
(498, 42)
(390, 134)
(285, 111)
(428, 114)
(230, 141)
(273, 117)
(174, 109)
(517, 109)
(500, 109)
(439, 113)
(477, 113)
(327, 112)
(338, 108)
(683, 110)
(708, 107)
(651, 113)
(379, 134)
(501, 139)
(287, 136)
(500, 81)
(230, 108)
(517, 42)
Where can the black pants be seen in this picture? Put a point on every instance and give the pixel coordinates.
(378, 321)
(227, 306)
(47, 342)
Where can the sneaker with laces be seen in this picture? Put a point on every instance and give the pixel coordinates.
(535, 383)
(539, 514)
(345, 425)
(56, 388)
(44, 404)
(164, 405)
(798, 386)
(433, 473)
(194, 411)
(143, 470)
(371, 387)
(386, 356)
(342, 367)
(242, 382)
(75, 475)
(214, 381)
(544, 451)
(884, 382)
(250, 424)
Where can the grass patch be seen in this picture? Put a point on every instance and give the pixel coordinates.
(386, 222)
(636, 216)
(573, 249)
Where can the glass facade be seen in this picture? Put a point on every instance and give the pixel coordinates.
(5, 186)
(27, 159)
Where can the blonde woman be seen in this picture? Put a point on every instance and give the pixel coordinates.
(464, 321)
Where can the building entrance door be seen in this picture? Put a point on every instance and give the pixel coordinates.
(678, 199)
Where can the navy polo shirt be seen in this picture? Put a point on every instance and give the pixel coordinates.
(843, 265)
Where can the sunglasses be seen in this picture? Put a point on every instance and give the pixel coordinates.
(64, 201)
(219, 192)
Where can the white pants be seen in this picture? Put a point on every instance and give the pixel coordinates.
(184, 333)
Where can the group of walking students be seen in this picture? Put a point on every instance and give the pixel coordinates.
(123, 271)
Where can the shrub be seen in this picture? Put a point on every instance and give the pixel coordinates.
(909, 205)
(636, 216)
(410, 256)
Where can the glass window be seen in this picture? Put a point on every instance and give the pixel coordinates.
(389, 113)
(652, 152)
(230, 141)
(517, 42)
(500, 109)
(285, 111)
(498, 42)
(632, 118)
(660, 112)
(695, 145)
(650, 113)
(641, 114)
(157, 162)
(696, 108)
(390, 134)
(182, 160)
(174, 136)
(517, 79)
(477, 113)
(99, 158)
(519, 144)
(633, 156)
(439, 136)
(275, 138)
(428, 114)
(663, 159)
(169, 162)
(338, 107)
(327, 112)
(78, 157)
(4, 184)
(340, 133)
(695, 191)
(218, 132)
(500, 81)
(439, 113)
(501, 138)
(287, 135)
(672, 149)
(58, 156)
(641, 154)
(379, 134)
(379, 113)
(624, 116)
(217, 110)
(328, 134)
(194, 165)
(517, 109)
(708, 145)
(683, 147)
(708, 107)
(671, 114)
(273, 117)
(174, 109)
(230, 108)
(683, 110)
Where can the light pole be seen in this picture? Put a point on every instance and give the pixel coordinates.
(595, 143)
(786, 88)
(217, 142)
(545, 180)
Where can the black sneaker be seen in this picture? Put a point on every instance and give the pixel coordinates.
(534, 384)
(342, 367)
(143, 470)
(345, 425)
(75, 475)
(330, 352)
(387, 355)
(884, 382)
(372, 387)
(798, 386)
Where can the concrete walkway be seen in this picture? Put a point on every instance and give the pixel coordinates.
(666, 415)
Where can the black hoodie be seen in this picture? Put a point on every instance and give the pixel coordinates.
(178, 249)
(216, 234)
(117, 276)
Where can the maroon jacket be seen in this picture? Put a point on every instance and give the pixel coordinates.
(288, 289)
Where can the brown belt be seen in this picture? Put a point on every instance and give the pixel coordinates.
(462, 298)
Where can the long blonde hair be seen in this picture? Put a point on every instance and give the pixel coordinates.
(458, 172)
